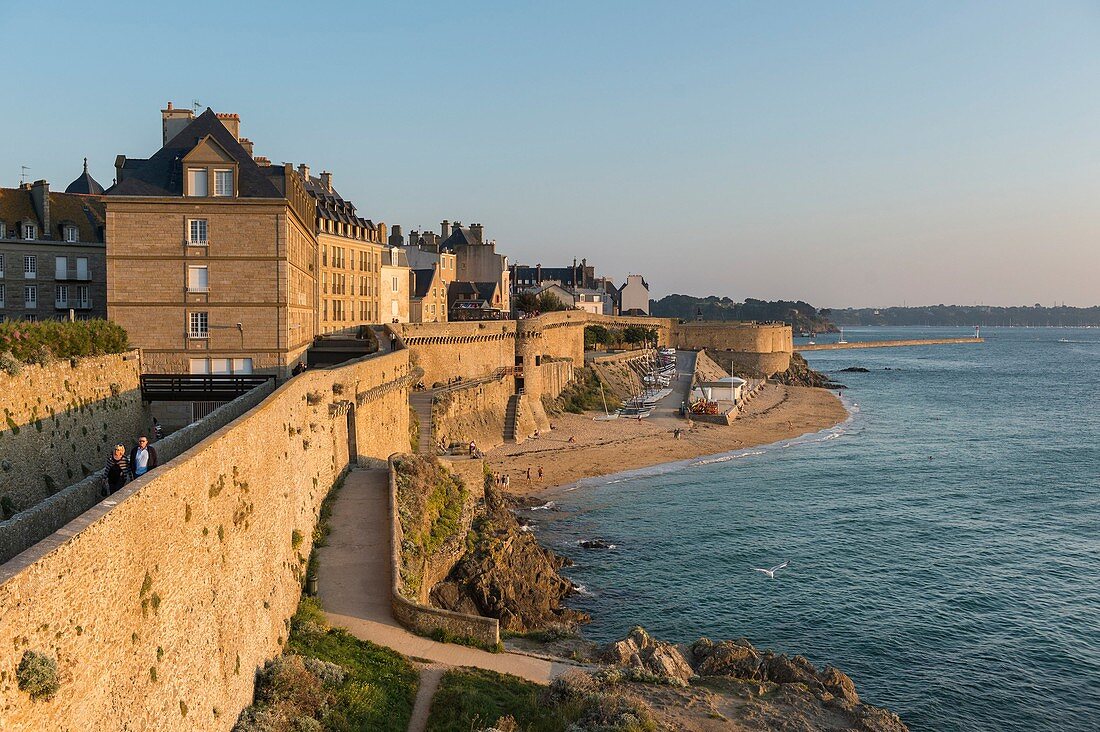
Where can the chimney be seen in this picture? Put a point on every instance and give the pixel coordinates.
(247, 145)
(263, 160)
(120, 162)
(232, 122)
(445, 229)
(172, 121)
(538, 274)
(40, 195)
(326, 180)
(303, 170)
(478, 231)
(396, 239)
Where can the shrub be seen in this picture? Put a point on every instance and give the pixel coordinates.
(37, 675)
(10, 364)
(7, 508)
(52, 339)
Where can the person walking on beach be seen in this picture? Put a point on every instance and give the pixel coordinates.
(143, 458)
(540, 472)
(118, 468)
(528, 472)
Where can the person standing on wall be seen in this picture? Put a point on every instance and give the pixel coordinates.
(143, 458)
(117, 470)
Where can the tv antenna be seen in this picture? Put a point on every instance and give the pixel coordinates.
(195, 105)
(23, 173)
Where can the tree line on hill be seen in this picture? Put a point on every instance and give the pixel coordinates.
(800, 314)
(970, 316)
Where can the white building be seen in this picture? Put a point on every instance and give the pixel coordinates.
(634, 296)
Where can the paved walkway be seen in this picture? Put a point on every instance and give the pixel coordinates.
(354, 585)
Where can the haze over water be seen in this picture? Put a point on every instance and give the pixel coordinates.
(944, 543)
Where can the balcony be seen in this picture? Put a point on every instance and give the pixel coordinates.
(199, 334)
(196, 289)
(72, 275)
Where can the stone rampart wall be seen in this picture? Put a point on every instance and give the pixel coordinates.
(37, 523)
(421, 618)
(160, 603)
(469, 350)
(739, 337)
(761, 365)
(60, 422)
(473, 413)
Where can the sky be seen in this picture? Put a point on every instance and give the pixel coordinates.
(842, 153)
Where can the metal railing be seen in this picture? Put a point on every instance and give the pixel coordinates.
(198, 387)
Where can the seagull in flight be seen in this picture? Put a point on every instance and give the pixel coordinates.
(771, 572)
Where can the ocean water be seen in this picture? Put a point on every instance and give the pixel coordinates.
(944, 542)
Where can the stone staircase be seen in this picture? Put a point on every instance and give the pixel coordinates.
(511, 418)
(421, 403)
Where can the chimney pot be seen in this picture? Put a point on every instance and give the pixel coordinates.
(303, 169)
(326, 180)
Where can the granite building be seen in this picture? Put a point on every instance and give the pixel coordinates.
(52, 251)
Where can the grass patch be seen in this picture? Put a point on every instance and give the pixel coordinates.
(430, 503)
(329, 676)
(474, 698)
(583, 393)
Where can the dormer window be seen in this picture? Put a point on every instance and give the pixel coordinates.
(30, 231)
(197, 184)
(223, 182)
(72, 234)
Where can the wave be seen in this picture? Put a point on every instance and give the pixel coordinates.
(544, 507)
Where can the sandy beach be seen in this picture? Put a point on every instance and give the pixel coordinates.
(599, 448)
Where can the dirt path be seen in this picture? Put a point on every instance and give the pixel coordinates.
(430, 677)
(354, 585)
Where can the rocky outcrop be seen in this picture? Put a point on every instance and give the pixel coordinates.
(800, 374)
(639, 650)
(506, 574)
(767, 690)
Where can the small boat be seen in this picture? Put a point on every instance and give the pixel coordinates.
(842, 337)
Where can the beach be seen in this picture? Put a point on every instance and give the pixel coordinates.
(581, 447)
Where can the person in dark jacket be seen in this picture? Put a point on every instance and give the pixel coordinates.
(117, 470)
(143, 458)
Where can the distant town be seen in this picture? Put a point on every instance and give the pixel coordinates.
(217, 261)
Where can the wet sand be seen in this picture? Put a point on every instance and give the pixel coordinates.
(600, 448)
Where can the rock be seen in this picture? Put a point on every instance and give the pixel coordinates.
(800, 374)
(856, 370)
(506, 574)
(595, 544)
(640, 650)
(839, 684)
(788, 670)
(727, 658)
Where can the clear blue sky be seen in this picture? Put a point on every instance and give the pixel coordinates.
(846, 153)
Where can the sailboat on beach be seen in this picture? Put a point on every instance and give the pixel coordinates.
(842, 337)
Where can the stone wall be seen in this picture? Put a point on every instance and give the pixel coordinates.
(421, 618)
(759, 349)
(469, 350)
(37, 523)
(62, 420)
(475, 412)
(160, 603)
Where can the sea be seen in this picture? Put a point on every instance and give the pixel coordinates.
(944, 542)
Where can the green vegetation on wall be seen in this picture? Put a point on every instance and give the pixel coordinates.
(584, 394)
(42, 342)
(430, 501)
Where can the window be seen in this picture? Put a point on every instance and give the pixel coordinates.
(3, 294)
(393, 307)
(242, 366)
(395, 284)
(196, 182)
(72, 234)
(200, 366)
(220, 366)
(62, 297)
(82, 268)
(61, 268)
(223, 182)
(30, 267)
(82, 297)
(198, 279)
(199, 325)
(196, 232)
(30, 231)
(30, 296)
(1, 263)
(3, 230)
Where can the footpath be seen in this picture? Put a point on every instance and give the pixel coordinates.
(354, 580)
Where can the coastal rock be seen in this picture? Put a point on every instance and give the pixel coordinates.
(800, 374)
(506, 574)
(839, 684)
(595, 544)
(640, 650)
(855, 370)
(727, 658)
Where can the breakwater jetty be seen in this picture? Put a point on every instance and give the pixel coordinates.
(887, 344)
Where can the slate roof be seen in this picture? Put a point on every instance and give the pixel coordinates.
(162, 174)
(422, 281)
(86, 212)
(85, 184)
(331, 205)
(459, 237)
